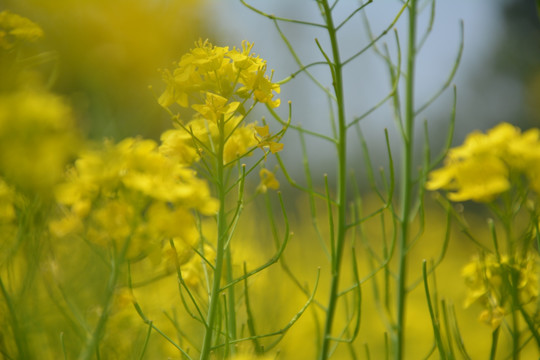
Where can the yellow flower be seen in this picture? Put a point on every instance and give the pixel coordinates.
(217, 83)
(267, 140)
(487, 281)
(69, 224)
(262, 86)
(15, 28)
(478, 179)
(232, 74)
(216, 107)
(180, 254)
(484, 166)
(240, 139)
(131, 193)
(192, 271)
(204, 56)
(268, 181)
(37, 139)
(180, 146)
(244, 60)
(492, 316)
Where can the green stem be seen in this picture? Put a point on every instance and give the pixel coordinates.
(220, 247)
(512, 280)
(92, 345)
(341, 144)
(231, 298)
(406, 186)
(494, 343)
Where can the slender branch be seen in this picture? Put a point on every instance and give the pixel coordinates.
(273, 17)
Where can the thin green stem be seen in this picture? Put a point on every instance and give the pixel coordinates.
(336, 69)
(231, 298)
(406, 187)
(18, 335)
(220, 247)
(92, 344)
(494, 343)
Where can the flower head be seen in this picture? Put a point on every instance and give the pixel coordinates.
(37, 139)
(219, 84)
(235, 75)
(484, 166)
(266, 140)
(15, 28)
(130, 192)
(487, 279)
(268, 180)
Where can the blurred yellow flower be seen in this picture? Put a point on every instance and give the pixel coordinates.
(15, 28)
(7, 197)
(180, 146)
(131, 193)
(492, 316)
(240, 139)
(487, 281)
(477, 178)
(483, 167)
(37, 139)
(268, 181)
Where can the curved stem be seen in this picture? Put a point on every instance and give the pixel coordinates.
(341, 145)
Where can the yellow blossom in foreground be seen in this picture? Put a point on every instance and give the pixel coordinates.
(130, 193)
(15, 28)
(484, 166)
(179, 146)
(37, 139)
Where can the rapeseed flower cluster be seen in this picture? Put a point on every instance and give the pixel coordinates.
(217, 84)
(15, 29)
(131, 195)
(214, 75)
(491, 282)
(37, 138)
(487, 165)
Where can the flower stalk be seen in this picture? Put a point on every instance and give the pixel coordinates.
(341, 147)
(223, 255)
(406, 199)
